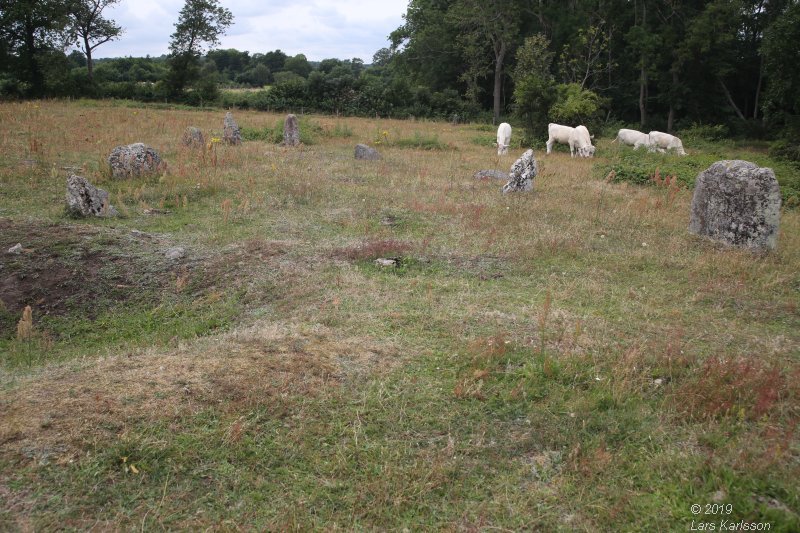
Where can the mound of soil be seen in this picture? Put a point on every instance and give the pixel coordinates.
(71, 268)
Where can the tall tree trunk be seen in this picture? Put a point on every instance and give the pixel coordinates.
(498, 78)
(671, 116)
(643, 95)
(758, 87)
(36, 77)
(88, 52)
(730, 99)
(643, 76)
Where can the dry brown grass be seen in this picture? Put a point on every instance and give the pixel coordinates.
(581, 320)
(57, 412)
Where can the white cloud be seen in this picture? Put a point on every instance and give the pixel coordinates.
(317, 28)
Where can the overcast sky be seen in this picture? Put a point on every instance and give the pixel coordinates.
(320, 29)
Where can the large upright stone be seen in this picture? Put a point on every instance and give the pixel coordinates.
(291, 131)
(134, 160)
(524, 169)
(86, 200)
(230, 130)
(367, 152)
(193, 137)
(737, 203)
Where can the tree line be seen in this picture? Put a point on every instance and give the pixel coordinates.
(657, 64)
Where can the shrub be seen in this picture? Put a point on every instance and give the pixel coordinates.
(574, 105)
(705, 132)
(639, 166)
(785, 149)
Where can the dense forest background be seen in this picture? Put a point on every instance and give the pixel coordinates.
(732, 66)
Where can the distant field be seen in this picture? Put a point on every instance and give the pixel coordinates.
(246, 89)
(565, 360)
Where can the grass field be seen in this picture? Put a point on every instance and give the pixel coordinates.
(569, 359)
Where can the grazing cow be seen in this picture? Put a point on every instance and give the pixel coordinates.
(634, 138)
(557, 133)
(577, 138)
(580, 141)
(664, 141)
(503, 138)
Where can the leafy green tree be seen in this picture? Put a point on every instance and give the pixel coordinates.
(29, 31)
(90, 28)
(575, 105)
(645, 43)
(534, 90)
(200, 25)
(299, 65)
(424, 49)
(382, 57)
(492, 24)
(274, 60)
(585, 59)
(257, 76)
(782, 95)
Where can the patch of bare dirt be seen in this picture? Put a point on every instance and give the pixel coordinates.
(55, 415)
(73, 267)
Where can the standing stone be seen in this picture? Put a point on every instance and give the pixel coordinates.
(85, 200)
(134, 160)
(520, 179)
(291, 131)
(366, 152)
(490, 175)
(193, 137)
(230, 130)
(737, 203)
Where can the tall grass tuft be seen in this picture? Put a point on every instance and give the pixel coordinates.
(25, 325)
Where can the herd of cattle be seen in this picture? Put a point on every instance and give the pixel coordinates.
(580, 141)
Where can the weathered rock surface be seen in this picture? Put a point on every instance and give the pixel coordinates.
(367, 152)
(86, 200)
(737, 203)
(490, 175)
(386, 262)
(175, 253)
(193, 137)
(524, 169)
(291, 131)
(231, 134)
(134, 160)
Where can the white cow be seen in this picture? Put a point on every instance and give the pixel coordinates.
(657, 140)
(581, 141)
(503, 138)
(634, 138)
(577, 139)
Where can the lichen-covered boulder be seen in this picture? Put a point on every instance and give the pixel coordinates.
(291, 131)
(367, 152)
(86, 200)
(491, 175)
(193, 137)
(524, 169)
(231, 134)
(134, 160)
(737, 203)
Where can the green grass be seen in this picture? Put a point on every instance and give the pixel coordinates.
(570, 359)
(639, 166)
(421, 141)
